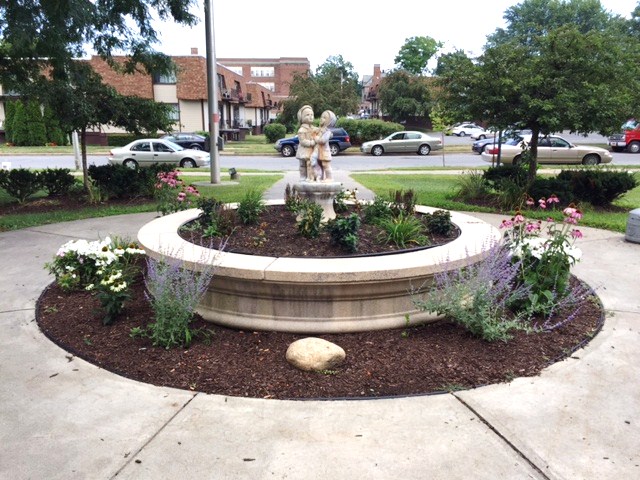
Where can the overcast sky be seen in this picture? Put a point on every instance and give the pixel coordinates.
(362, 33)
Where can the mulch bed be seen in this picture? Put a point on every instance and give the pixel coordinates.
(421, 360)
(417, 360)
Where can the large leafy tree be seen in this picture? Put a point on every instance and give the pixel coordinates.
(48, 34)
(415, 54)
(558, 65)
(84, 102)
(403, 96)
(334, 86)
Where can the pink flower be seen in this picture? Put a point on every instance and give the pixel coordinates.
(530, 201)
(569, 211)
(542, 203)
(553, 199)
(575, 233)
(532, 227)
(506, 224)
(518, 219)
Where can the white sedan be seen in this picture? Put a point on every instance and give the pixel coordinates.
(551, 149)
(469, 129)
(403, 142)
(147, 151)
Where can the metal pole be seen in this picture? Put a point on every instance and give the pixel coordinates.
(212, 93)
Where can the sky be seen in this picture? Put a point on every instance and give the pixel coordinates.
(362, 33)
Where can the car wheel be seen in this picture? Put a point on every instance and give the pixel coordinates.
(424, 149)
(188, 163)
(195, 146)
(462, 134)
(517, 160)
(484, 148)
(130, 163)
(591, 159)
(481, 137)
(377, 151)
(634, 147)
(335, 149)
(287, 151)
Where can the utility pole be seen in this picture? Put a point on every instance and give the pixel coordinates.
(212, 93)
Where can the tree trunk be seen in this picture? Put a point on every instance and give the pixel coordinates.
(83, 150)
(533, 160)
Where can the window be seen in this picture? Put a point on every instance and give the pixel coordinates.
(174, 114)
(165, 78)
(263, 72)
(268, 85)
(141, 147)
(161, 147)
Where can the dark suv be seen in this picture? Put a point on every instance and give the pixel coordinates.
(339, 141)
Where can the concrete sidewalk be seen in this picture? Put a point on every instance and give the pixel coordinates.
(62, 418)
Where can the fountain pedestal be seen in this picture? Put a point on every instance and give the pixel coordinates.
(321, 193)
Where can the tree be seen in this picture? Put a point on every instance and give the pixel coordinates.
(9, 113)
(41, 35)
(335, 86)
(19, 127)
(35, 124)
(52, 125)
(403, 95)
(558, 65)
(415, 54)
(84, 102)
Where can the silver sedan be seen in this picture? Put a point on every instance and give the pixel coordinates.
(147, 151)
(403, 142)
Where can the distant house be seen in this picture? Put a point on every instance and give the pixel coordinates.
(243, 104)
(370, 87)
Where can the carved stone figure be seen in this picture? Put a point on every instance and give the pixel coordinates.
(307, 142)
(321, 155)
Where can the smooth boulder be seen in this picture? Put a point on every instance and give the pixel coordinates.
(314, 354)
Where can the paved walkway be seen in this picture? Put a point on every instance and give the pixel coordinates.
(62, 418)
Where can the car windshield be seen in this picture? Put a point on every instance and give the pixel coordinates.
(513, 141)
(175, 146)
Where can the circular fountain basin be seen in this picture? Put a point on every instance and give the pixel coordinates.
(317, 295)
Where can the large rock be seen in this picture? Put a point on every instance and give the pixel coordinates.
(313, 354)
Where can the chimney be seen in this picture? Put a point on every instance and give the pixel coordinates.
(376, 70)
(194, 51)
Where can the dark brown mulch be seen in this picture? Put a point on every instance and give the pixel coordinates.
(419, 360)
(276, 235)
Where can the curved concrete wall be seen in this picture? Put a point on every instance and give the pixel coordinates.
(316, 295)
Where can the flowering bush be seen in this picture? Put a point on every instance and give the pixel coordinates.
(173, 194)
(77, 262)
(545, 261)
(104, 266)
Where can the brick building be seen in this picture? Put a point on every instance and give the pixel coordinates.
(275, 74)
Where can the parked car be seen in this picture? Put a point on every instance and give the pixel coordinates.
(465, 129)
(479, 146)
(188, 140)
(339, 142)
(403, 142)
(551, 149)
(448, 130)
(147, 151)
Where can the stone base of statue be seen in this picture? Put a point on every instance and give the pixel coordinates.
(321, 193)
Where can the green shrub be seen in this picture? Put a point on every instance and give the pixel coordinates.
(545, 187)
(57, 181)
(309, 219)
(377, 210)
(37, 130)
(9, 113)
(250, 207)
(599, 187)
(20, 183)
(471, 186)
(364, 130)
(500, 177)
(216, 218)
(438, 222)
(274, 132)
(344, 232)
(19, 126)
(403, 230)
(118, 181)
(120, 139)
(403, 202)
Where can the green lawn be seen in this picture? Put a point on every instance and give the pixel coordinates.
(226, 193)
(438, 190)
